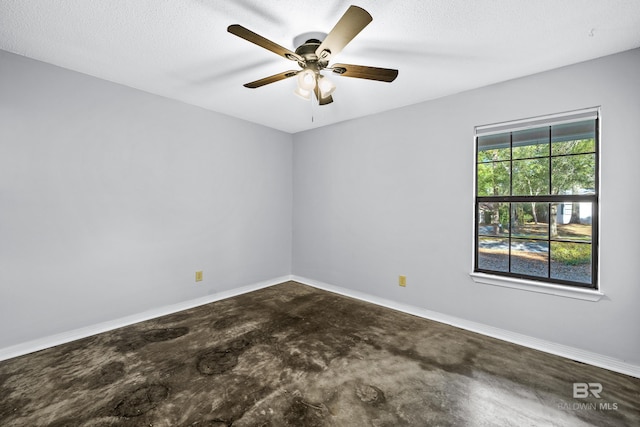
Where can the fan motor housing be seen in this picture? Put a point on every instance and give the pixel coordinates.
(307, 50)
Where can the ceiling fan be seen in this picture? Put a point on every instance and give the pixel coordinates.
(313, 56)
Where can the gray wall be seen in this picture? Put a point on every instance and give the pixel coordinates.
(111, 199)
(392, 194)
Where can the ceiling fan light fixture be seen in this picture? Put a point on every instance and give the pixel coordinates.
(303, 93)
(313, 53)
(326, 86)
(306, 79)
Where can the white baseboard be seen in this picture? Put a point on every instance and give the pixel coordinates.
(568, 352)
(65, 337)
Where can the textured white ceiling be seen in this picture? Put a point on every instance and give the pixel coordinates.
(181, 49)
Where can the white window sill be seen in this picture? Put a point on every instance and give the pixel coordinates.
(533, 286)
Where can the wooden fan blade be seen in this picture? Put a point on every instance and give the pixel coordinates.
(257, 39)
(364, 72)
(271, 79)
(322, 101)
(352, 22)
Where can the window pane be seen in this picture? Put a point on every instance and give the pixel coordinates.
(530, 220)
(529, 257)
(493, 254)
(493, 219)
(573, 174)
(571, 261)
(493, 179)
(530, 177)
(494, 147)
(573, 138)
(572, 221)
(531, 143)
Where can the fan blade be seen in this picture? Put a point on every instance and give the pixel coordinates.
(322, 101)
(364, 72)
(257, 39)
(352, 22)
(271, 79)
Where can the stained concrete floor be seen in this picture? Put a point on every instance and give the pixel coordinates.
(292, 355)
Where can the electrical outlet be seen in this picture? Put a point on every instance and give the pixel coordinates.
(198, 276)
(402, 281)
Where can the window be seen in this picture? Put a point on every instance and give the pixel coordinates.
(536, 199)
